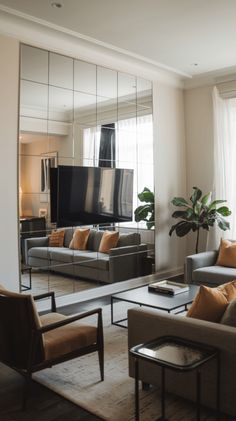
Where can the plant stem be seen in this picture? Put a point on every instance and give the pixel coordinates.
(197, 241)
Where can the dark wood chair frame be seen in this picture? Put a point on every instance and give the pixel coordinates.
(37, 335)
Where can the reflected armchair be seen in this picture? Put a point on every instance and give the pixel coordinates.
(29, 342)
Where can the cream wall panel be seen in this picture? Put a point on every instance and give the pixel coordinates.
(9, 74)
(170, 172)
(199, 147)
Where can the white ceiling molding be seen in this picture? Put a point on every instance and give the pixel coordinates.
(42, 34)
(211, 78)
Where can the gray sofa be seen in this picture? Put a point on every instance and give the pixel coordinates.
(202, 268)
(145, 325)
(123, 262)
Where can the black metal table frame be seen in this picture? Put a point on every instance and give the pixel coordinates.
(26, 268)
(164, 364)
(118, 322)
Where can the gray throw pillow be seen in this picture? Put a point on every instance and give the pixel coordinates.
(229, 316)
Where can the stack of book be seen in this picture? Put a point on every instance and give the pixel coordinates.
(168, 287)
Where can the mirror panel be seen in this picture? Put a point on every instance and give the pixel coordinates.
(85, 77)
(60, 71)
(81, 115)
(34, 64)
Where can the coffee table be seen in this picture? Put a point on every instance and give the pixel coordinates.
(143, 297)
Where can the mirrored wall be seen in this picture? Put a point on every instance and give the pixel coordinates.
(85, 153)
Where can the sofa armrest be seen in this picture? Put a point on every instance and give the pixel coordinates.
(34, 242)
(126, 262)
(196, 261)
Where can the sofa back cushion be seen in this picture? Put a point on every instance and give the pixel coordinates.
(68, 236)
(132, 239)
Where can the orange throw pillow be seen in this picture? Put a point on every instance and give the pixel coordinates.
(229, 290)
(209, 304)
(109, 240)
(80, 239)
(227, 254)
(56, 238)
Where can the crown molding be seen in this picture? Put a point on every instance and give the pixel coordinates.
(43, 34)
(211, 78)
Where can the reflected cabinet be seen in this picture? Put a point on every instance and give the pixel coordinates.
(85, 153)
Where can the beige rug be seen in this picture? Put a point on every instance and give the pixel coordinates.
(112, 400)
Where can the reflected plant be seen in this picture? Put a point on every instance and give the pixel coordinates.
(146, 212)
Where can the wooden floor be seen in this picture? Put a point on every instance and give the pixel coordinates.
(43, 404)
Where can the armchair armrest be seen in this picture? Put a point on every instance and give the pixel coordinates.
(71, 319)
(34, 242)
(45, 295)
(196, 261)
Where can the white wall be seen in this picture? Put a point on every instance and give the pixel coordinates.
(170, 172)
(199, 146)
(9, 73)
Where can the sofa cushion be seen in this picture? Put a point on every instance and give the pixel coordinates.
(80, 239)
(109, 240)
(229, 316)
(227, 254)
(131, 239)
(62, 254)
(68, 236)
(214, 275)
(209, 304)
(91, 259)
(67, 338)
(41, 252)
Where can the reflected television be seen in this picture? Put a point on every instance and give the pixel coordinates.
(90, 195)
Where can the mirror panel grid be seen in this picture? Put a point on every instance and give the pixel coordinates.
(85, 154)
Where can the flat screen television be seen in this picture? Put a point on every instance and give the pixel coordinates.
(90, 195)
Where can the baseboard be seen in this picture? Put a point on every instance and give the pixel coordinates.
(110, 289)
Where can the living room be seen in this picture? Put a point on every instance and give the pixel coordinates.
(183, 118)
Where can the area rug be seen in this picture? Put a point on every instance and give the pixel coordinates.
(112, 400)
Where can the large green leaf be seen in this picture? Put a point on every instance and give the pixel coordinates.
(216, 202)
(224, 211)
(179, 201)
(198, 207)
(222, 223)
(206, 199)
(183, 228)
(146, 196)
(180, 214)
(141, 212)
(197, 193)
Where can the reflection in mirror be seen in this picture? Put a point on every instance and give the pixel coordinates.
(60, 71)
(83, 116)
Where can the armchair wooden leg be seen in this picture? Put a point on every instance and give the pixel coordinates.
(26, 390)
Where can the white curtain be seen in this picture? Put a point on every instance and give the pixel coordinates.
(225, 160)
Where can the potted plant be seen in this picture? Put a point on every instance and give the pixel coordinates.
(200, 213)
(146, 212)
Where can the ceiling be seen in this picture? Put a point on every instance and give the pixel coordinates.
(188, 36)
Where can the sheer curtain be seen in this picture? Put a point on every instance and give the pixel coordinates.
(225, 159)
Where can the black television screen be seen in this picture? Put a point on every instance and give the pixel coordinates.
(91, 195)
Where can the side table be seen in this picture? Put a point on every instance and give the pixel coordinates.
(180, 355)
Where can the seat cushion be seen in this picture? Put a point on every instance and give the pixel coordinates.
(91, 259)
(68, 338)
(62, 255)
(215, 275)
(40, 252)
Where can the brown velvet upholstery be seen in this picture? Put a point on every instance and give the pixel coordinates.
(29, 343)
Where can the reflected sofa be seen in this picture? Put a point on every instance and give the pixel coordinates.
(122, 263)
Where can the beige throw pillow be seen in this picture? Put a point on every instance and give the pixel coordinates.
(80, 239)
